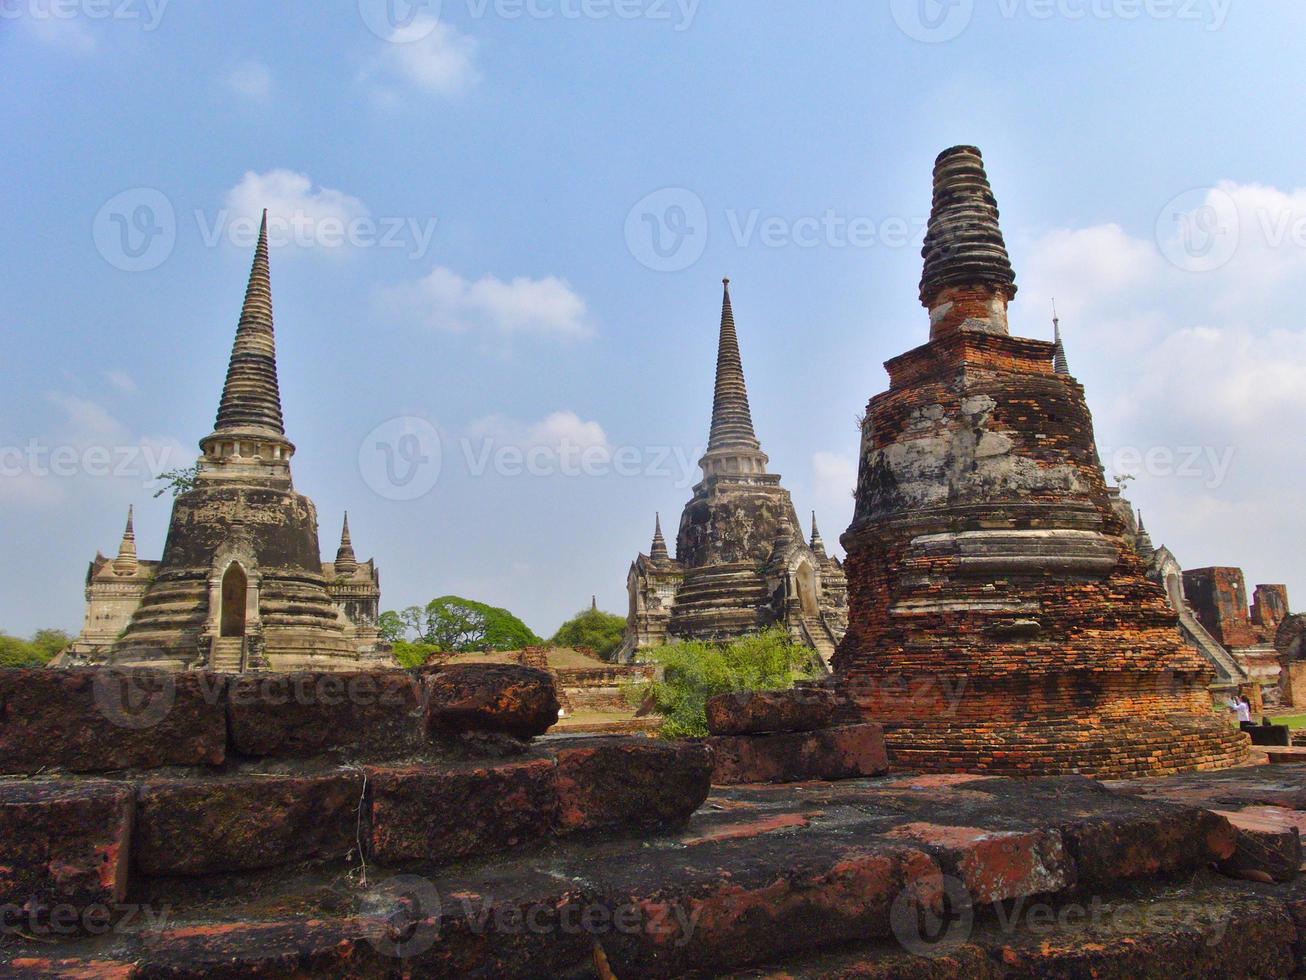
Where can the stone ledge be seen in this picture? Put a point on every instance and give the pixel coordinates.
(759, 712)
(845, 752)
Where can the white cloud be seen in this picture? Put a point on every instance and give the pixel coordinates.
(299, 213)
(430, 56)
(557, 431)
(444, 300)
(122, 381)
(68, 33)
(251, 80)
(1205, 369)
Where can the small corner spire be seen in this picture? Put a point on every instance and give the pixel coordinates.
(817, 545)
(1059, 363)
(346, 562)
(659, 550)
(126, 563)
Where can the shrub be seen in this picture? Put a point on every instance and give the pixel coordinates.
(600, 631)
(693, 672)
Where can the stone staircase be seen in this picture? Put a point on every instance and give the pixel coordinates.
(820, 637)
(227, 654)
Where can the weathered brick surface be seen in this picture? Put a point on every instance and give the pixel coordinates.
(353, 714)
(637, 783)
(63, 845)
(98, 720)
(213, 825)
(843, 752)
(507, 698)
(994, 865)
(755, 712)
(1269, 842)
(439, 814)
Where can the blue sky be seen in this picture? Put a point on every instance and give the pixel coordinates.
(469, 192)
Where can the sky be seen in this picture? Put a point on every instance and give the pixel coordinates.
(499, 232)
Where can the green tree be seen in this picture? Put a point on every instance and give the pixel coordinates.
(36, 652)
(178, 481)
(391, 627)
(460, 625)
(593, 628)
(694, 672)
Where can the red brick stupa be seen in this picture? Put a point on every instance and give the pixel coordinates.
(999, 620)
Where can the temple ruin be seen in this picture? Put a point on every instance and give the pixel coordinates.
(241, 585)
(1000, 617)
(742, 563)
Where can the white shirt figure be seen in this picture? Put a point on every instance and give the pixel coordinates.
(1244, 711)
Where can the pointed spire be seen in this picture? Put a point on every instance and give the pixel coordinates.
(732, 421)
(659, 550)
(963, 243)
(1059, 363)
(594, 603)
(1143, 541)
(125, 563)
(251, 398)
(346, 563)
(818, 546)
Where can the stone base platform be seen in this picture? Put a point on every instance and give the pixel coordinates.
(905, 876)
(1109, 749)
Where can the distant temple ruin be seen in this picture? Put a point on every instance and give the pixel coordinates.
(242, 585)
(742, 563)
(1000, 618)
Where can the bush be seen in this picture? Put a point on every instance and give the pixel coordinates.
(36, 652)
(413, 654)
(694, 672)
(600, 631)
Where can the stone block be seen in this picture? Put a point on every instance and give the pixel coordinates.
(224, 824)
(757, 712)
(362, 714)
(845, 752)
(441, 813)
(520, 701)
(1269, 842)
(630, 782)
(732, 903)
(100, 720)
(64, 847)
(994, 865)
(308, 948)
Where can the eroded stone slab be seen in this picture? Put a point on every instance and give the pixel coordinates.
(845, 752)
(361, 714)
(209, 826)
(63, 845)
(101, 720)
(756, 712)
(635, 783)
(520, 701)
